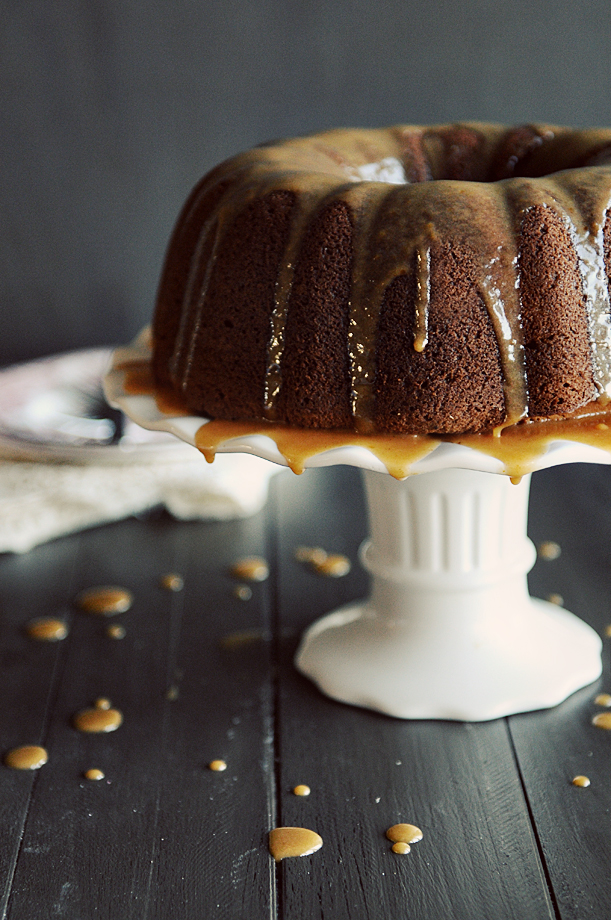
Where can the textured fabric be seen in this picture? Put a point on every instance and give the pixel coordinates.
(40, 501)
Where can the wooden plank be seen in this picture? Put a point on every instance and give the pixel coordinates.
(570, 506)
(31, 585)
(161, 836)
(457, 782)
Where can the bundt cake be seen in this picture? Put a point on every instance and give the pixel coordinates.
(415, 279)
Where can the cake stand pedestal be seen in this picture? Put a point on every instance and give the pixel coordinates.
(449, 630)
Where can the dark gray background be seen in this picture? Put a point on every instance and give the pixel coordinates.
(114, 108)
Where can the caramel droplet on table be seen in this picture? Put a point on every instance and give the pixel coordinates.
(582, 781)
(47, 629)
(94, 775)
(105, 601)
(549, 550)
(293, 841)
(99, 719)
(603, 699)
(28, 757)
(602, 720)
(251, 568)
(401, 847)
(242, 592)
(172, 582)
(556, 599)
(301, 789)
(102, 702)
(312, 554)
(217, 766)
(115, 631)
(404, 833)
(334, 566)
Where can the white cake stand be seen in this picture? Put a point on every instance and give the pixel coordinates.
(449, 630)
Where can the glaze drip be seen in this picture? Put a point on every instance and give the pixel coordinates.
(423, 298)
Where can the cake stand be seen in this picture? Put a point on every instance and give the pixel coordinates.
(449, 630)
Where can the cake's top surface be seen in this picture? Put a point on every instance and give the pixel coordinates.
(411, 188)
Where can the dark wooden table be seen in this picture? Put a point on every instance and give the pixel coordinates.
(202, 674)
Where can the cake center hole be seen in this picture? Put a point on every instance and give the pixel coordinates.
(389, 170)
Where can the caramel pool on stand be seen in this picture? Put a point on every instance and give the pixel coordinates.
(519, 447)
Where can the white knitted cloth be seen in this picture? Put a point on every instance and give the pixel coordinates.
(40, 501)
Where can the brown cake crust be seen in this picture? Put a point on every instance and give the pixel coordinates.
(225, 373)
(315, 365)
(556, 338)
(455, 383)
(441, 279)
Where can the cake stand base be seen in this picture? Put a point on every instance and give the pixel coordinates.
(449, 630)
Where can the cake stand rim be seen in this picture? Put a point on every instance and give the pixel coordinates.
(142, 409)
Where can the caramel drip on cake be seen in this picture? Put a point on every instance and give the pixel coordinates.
(587, 213)
(423, 298)
(196, 288)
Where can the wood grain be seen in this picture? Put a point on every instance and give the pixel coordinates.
(505, 833)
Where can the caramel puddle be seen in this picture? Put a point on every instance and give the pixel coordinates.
(28, 757)
(285, 842)
(47, 629)
(250, 568)
(101, 718)
(105, 600)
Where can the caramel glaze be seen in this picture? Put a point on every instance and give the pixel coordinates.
(106, 601)
(416, 203)
(250, 568)
(101, 718)
(47, 629)
(518, 447)
(28, 757)
(293, 841)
